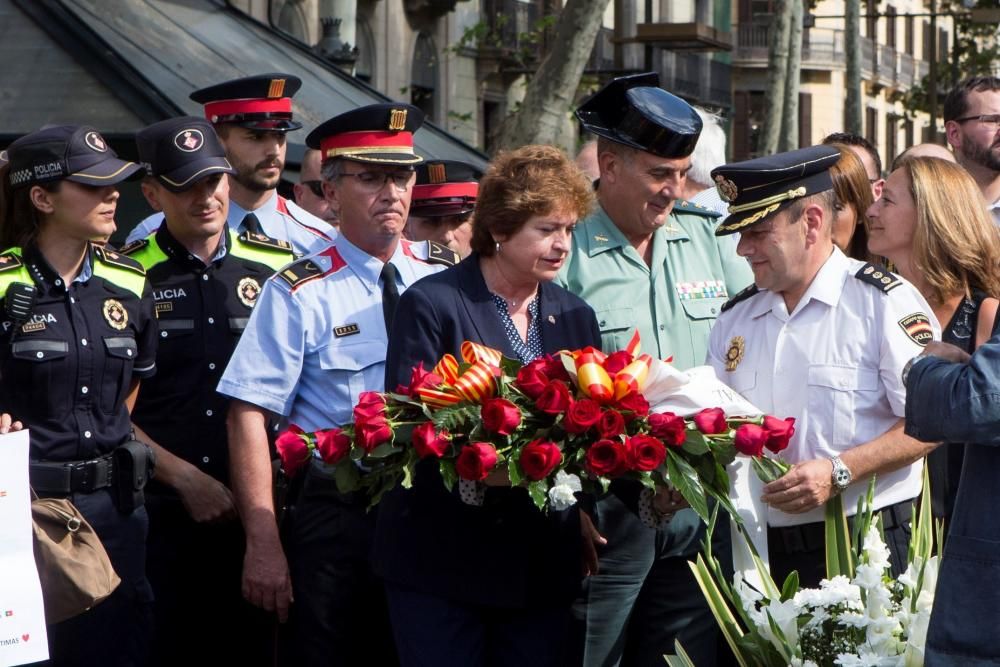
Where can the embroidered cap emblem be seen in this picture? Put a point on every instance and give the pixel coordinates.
(189, 141)
(96, 142)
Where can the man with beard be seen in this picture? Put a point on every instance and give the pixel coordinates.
(315, 342)
(646, 260)
(252, 116)
(972, 125)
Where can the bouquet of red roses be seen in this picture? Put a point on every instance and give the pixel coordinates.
(557, 426)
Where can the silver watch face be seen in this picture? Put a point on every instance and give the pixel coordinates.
(843, 478)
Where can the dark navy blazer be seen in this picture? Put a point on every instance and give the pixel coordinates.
(960, 403)
(505, 553)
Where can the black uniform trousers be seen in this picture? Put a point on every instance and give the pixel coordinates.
(339, 616)
(803, 548)
(195, 570)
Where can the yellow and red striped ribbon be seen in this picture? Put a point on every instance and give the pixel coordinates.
(476, 384)
(632, 378)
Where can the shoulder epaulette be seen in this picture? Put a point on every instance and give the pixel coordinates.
(742, 295)
(134, 246)
(441, 254)
(878, 276)
(269, 254)
(264, 241)
(118, 260)
(10, 260)
(684, 206)
(300, 272)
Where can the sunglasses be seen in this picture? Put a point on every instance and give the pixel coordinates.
(315, 186)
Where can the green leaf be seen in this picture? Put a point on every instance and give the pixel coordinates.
(839, 554)
(539, 492)
(386, 483)
(720, 609)
(448, 473)
(685, 479)
(724, 451)
(791, 586)
(605, 483)
(514, 470)
(695, 443)
(646, 479)
(384, 450)
(411, 461)
(346, 476)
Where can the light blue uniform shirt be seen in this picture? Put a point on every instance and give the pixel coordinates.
(279, 218)
(317, 338)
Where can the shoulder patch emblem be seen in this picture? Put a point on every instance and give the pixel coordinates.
(684, 206)
(917, 327)
(441, 254)
(878, 276)
(10, 261)
(264, 241)
(115, 258)
(742, 295)
(134, 246)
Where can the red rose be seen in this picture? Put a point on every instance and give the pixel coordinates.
(779, 432)
(531, 381)
(370, 405)
(476, 461)
(420, 379)
(617, 361)
(552, 367)
(711, 421)
(607, 458)
(539, 458)
(668, 427)
(646, 452)
(333, 445)
(583, 414)
(293, 450)
(427, 442)
(500, 416)
(611, 424)
(634, 403)
(750, 439)
(372, 433)
(555, 399)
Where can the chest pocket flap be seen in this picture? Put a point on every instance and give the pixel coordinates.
(703, 309)
(614, 319)
(354, 356)
(39, 350)
(123, 347)
(843, 378)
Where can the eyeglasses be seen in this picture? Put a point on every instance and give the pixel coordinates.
(990, 120)
(373, 181)
(315, 186)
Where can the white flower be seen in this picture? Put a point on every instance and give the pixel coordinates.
(875, 551)
(786, 616)
(748, 595)
(868, 576)
(853, 619)
(561, 494)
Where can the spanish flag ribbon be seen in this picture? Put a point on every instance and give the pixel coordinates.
(632, 378)
(593, 380)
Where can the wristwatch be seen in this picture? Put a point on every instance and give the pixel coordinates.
(842, 476)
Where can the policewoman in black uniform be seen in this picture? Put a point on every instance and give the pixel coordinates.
(205, 278)
(78, 332)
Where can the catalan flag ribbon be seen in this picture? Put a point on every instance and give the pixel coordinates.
(475, 384)
(594, 381)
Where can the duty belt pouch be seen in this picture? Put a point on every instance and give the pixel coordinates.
(134, 464)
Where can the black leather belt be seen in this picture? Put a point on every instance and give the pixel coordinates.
(71, 476)
(812, 536)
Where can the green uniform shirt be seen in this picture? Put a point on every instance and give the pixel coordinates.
(674, 301)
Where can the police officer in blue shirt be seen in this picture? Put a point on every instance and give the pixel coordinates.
(252, 116)
(78, 333)
(316, 340)
(206, 279)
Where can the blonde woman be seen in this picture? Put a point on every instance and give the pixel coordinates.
(933, 225)
(854, 198)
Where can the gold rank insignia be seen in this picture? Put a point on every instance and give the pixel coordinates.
(602, 239)
(436, 173)
(248, 289)
(115, 314)
(397, 120)
(276, 89)
(734, 355)
(726, 188)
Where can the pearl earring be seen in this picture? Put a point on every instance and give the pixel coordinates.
(497, 246)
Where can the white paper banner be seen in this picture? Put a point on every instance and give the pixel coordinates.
(22, 616)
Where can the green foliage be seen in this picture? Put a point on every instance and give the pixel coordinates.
(685, 479)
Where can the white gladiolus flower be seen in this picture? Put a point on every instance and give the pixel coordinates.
(786, 616)
(868, 576)
(561, 494)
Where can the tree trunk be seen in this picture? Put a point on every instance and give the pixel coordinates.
(551, 92)
(777, 75)
(852, 43)
(789, 140)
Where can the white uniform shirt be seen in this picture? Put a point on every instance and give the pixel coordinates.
(279, 218)
(834, 364)
(316, 338)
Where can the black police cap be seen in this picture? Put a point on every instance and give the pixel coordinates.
(260, 102)
(377, 133)
(444, 188)
(179, 152)
(635, 111)
(66, 152)
(756, 189)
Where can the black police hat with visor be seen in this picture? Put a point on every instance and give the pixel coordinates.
(757, 189)
(636, 112)
(180, 152)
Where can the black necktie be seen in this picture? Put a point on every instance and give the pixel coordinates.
(390, 295)
(251, 223)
